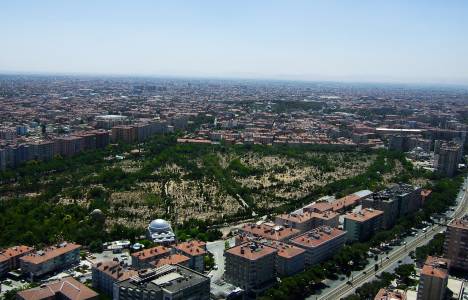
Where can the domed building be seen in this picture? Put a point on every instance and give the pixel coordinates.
(97, 215)
(160, 232)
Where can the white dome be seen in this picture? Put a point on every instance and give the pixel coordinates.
(159, 225)
(96, 211)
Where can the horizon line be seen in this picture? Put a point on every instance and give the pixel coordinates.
(257, 77)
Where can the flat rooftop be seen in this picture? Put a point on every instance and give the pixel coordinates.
(276, 233)
(386, 294)
(436, 267)
(363, 215)
(402, 130)
(251, 250)
(317, 237)
(168, 277)
(285, 250)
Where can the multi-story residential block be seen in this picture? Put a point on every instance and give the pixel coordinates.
(307, 220)
(290, 259)
(164, 283)
(456, 243)
(50, 259)
(448, 157)
(433, 279)
(269, 231)
(327, 218)
(102, 138)
(395, 201)
(409, 197)
(320, 243)
(109, 121)
(173, 259)
(142, 259)
(195, 251)
(106, 274)
(10, 258)
(66, 288)
(347, 202)
(68, 145)
(302, 221)
(125, 134)
(360, 226)
(43, 151)
(251, 266)
(386, 294)
(384, 202)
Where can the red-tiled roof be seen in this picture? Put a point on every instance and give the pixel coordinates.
(192, 248)
(15, 251)
(345, 202)
(69, 287)
(49, 253)
(115, 270)
(152, 252)
(171, 260)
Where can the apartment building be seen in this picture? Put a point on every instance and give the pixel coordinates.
(300, 221)
(387, 294)
(195, 251)
(360, 226)
(433, 279)
(67, 146)
(124, 133)
(50, 259)
(320, 243)
(142, 259)
(269, 231)
(66, 288)
(251, 266)
(448, 157)
(106, 274)
(10, 258)
(395, 201)
(290, 259)
(173, 259)
(383, 202)
(456, 243)
(307, 220)
(164, 283)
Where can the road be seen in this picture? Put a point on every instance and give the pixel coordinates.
(359, 278)
(217, 249)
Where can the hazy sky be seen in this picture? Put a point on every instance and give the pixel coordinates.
(391, 40)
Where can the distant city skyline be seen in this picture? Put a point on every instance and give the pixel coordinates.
(365, 41)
